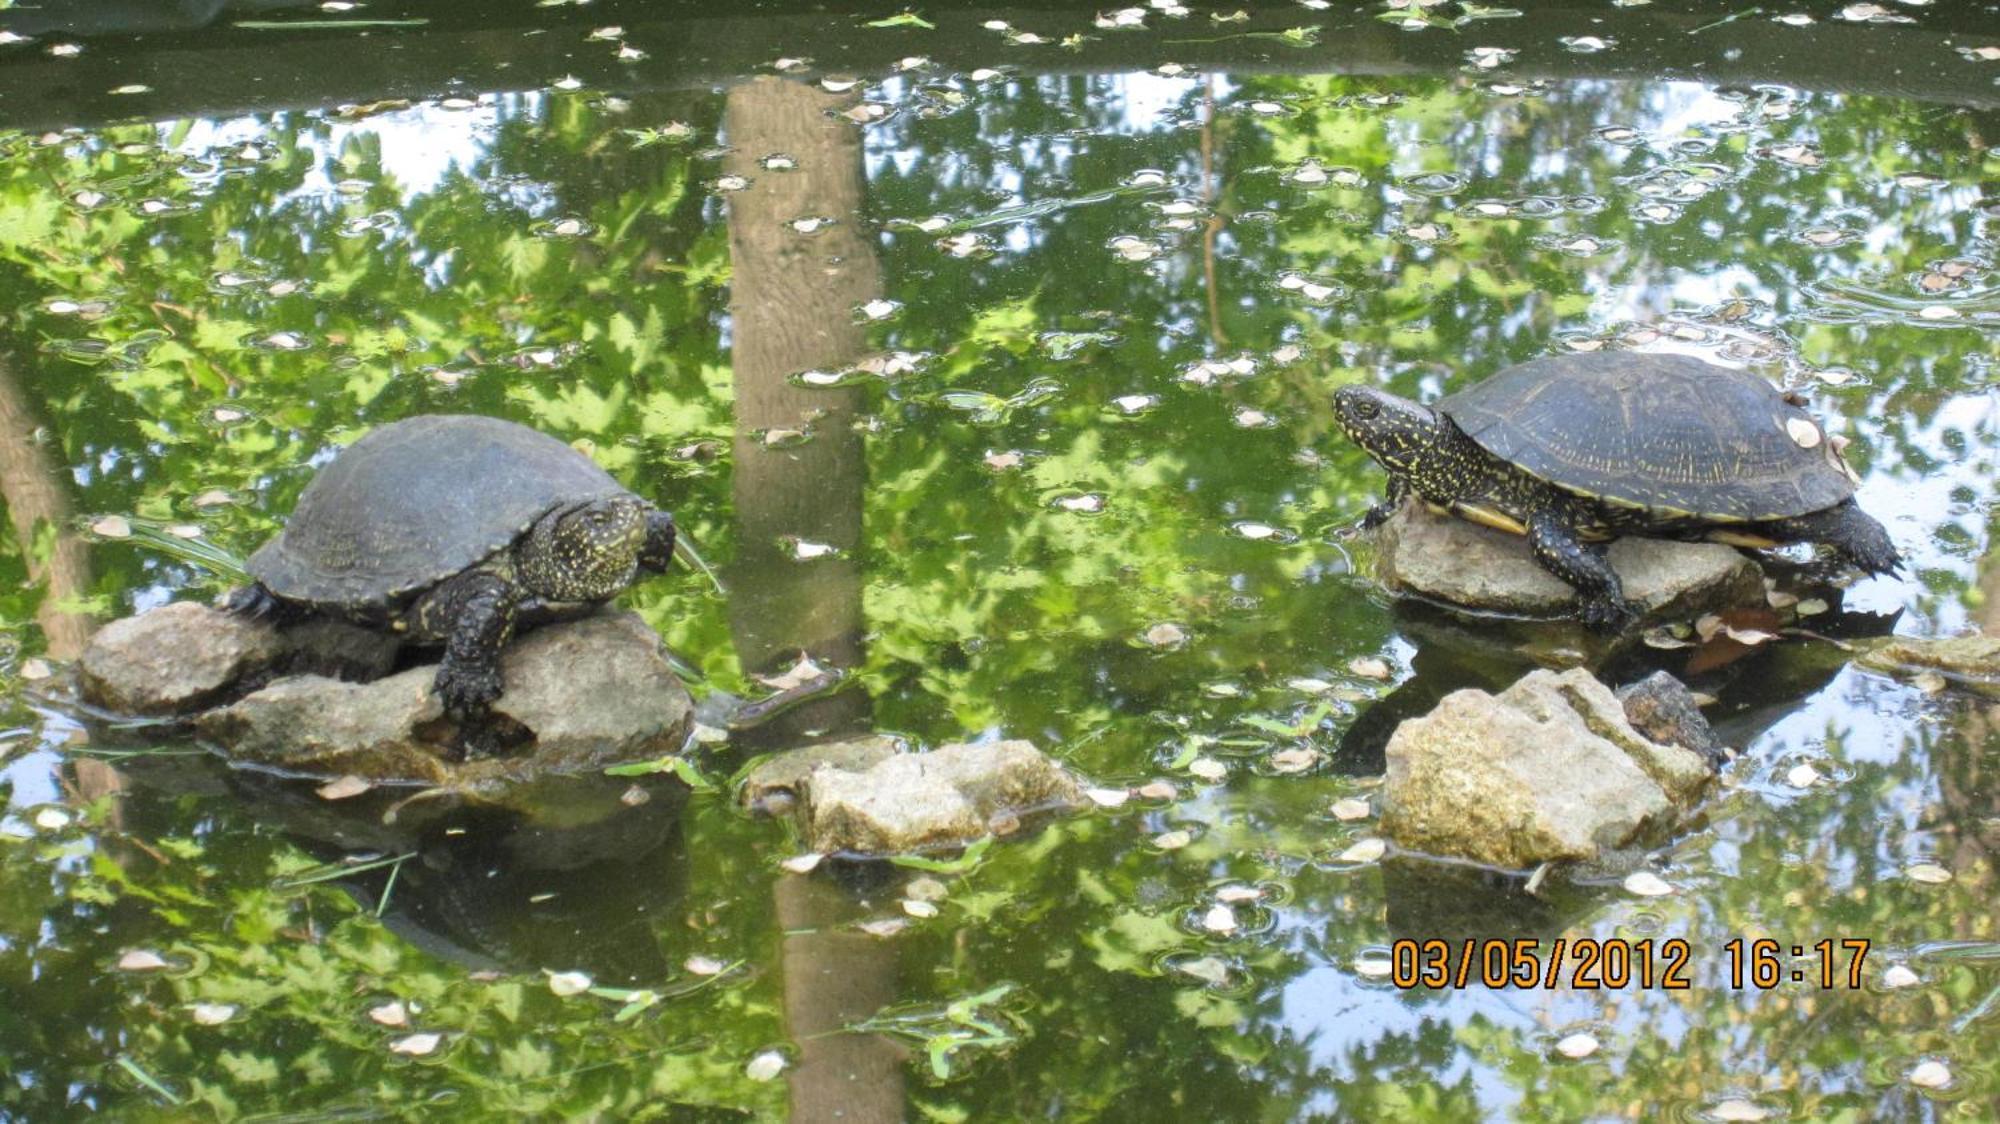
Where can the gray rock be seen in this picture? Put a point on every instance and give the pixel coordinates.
(1972, 661)
(1663, 709)
(175, 659)
(1464, 564)
(858, 799)
(1549, 769)
(579, 695)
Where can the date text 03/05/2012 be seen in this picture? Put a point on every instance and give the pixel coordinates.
(1617, 962)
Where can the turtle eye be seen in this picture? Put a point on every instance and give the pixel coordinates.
(1367, 408)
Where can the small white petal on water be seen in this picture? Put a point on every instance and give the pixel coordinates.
(926, 889)
(52, 819)
(1930, 1075)
(1207, 969)
(417, 1045)
(1810, 607)
(1578, 1045)
(141, 960)
(1929, 873)
(1208, 768)
(765, 1066)
(1219, 919)
(802, 864)
(112, 527)
(1166, 634)
(1900, 976)
(568, 82)
(805, 551)
(1159, 790)
(1370, 667)
(1107, 797)
(1738, 1110)
(1135, 403)
(1134, 249)
(703, 965)
(1088, 504)
(1802, 776)
(36, 669)
(731, 183)
(212, 1014)
(1347, 809)
(1000, 462)
(1646, 884)
(1256, 531)
(569, 983)
(1938, 312)
(1294, 760)
(343, 788)
(919, 909)
(1236, 894)
(1373, 967)
(1364, 851)
(1173, 840)
(392, 1014)
(883, 927)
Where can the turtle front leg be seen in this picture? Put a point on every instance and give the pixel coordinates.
(475, 614)
(1392, 498)
(1851, 532)
(1601, 598)
(656, 555)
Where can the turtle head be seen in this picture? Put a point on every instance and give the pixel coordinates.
(585, 551)
(1401, 435)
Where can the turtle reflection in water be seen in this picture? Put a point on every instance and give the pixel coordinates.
(454, 530)
(1577, 450)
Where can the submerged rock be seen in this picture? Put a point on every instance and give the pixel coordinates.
(1450, 560)
(1972, 662)
(1664, 710)
(579, 695)
(863, 797)
(1551, 768)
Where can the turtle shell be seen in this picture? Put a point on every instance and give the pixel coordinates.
(418, 501)
(1667, 433)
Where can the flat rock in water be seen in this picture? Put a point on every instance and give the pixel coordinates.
(869, 802)
(1451, 560)
(1972, 661)
(1548, 769)
(579, 695)
(175, 659)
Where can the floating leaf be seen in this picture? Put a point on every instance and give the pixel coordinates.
(1578, 1045)
(417, 1045)
(1646, 884)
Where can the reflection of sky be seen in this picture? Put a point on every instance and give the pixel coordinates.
(420, 145)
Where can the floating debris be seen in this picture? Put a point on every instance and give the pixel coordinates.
(1930, 1075)
(803, 864)
(1347, 809)
(142, 960)
(1928, 873)
(566, 984)
(343, 788)
(1173, 840)
(1578, 1046)
(1802, 776)
(1366, 850)
(1899, 976)
(1208, 768)
(212, 1014)
(417, 1045)
(1220, 919)
(390, 1014)
(1108, 797)
(1646, 884)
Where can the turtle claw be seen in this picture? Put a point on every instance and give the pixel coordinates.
(467, 692)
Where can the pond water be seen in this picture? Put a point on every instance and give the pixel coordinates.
(987, 353)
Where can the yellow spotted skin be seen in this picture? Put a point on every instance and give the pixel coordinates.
(1579, 450)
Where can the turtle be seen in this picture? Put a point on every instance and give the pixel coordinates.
(454, 530)
(1574, 451)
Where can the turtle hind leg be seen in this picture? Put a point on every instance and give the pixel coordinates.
(1852, 533)
(1600, 596)
(254, 602)
(474, 613)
